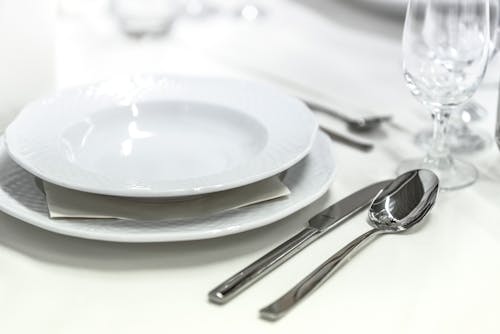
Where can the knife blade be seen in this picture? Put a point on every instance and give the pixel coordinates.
(319, 225)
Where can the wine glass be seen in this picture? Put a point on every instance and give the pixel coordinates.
(462, 137)
(445, 54)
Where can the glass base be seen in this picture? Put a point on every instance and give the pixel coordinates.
(460, 142)
(454, 174)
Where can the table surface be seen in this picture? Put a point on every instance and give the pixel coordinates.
(443, 278)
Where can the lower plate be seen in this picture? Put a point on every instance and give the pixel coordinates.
(307, 180)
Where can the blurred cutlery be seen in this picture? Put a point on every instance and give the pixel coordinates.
(361, 124)
(365, 147)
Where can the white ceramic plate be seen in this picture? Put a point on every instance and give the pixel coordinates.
(307, 181)
(161, 136)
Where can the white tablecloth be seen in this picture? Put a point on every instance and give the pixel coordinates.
(443, 278)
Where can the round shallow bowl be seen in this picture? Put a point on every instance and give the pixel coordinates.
(161, 136)
(20, 197)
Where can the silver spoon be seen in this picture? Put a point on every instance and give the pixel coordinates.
(362, 124)
(397, 207)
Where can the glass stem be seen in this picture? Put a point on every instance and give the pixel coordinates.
(439, 152)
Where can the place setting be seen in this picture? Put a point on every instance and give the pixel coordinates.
(173, 158)
(157, 158)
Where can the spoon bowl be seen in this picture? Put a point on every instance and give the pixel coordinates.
(404, 202)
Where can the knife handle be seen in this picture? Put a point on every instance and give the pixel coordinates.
(243, 279)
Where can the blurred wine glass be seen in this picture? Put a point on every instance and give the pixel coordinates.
(495, 34)
(475, 110)
(244, 10)
(445, 54)
(497, 127)
(139, 18)
(250, 11)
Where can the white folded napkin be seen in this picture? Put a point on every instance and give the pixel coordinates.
(68, 203)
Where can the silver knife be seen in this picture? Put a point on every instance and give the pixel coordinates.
(319, 225)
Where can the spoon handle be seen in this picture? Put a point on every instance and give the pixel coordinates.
(282, 305)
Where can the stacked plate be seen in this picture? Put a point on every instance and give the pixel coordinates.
(154, 141)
